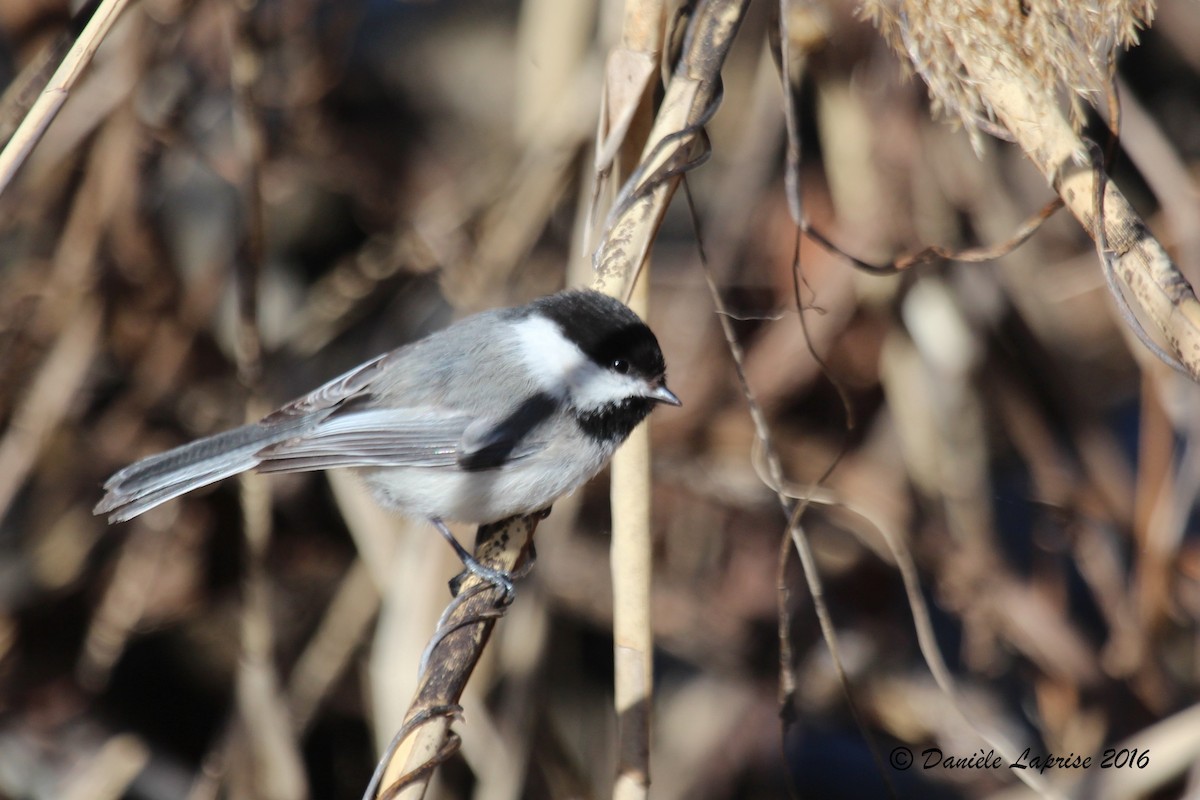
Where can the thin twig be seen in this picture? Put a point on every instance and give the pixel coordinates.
(922, 622)
(47, 106)
(792, 512)
(23, 91)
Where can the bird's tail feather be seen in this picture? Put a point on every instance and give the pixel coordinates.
(152, 481)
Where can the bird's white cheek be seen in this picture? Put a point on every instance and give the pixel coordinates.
(562, 369)
(548, 356)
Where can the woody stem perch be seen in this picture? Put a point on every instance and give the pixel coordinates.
(458, 644)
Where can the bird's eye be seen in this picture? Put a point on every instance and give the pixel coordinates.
(620, 365)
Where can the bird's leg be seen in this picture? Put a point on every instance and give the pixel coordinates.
(498, 578)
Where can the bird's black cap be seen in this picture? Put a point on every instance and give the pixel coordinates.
(605, 329)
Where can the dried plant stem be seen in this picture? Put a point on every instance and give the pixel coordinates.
(632, 567)
(71, 312)
(21, 93)
(426, 740)
(1043, 132)
(690, 98)
(774, 480)
(1167, 174)
(630, 72)
(47, 106)
(625, 121)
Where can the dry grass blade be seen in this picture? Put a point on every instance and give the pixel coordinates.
(332, 646)
(70, 309)
(630, 74)
(47, 400)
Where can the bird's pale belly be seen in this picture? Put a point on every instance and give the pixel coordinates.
(479, 496)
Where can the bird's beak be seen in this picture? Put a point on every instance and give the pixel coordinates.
(663, 395)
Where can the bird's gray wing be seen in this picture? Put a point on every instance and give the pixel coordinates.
(397, 437)
(363, 437)
(348, 385)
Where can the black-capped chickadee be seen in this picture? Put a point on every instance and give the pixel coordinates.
(497, 415)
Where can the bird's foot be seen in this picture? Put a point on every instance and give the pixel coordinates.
(499, 578)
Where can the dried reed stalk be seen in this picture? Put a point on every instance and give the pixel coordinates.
(999, 69)
(691, 96)
(626, 115)
(690, 99)
(632, 565)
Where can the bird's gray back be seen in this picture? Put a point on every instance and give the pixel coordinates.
(474, 367)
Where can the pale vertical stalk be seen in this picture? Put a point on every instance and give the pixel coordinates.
(632, 566)
(631, 75)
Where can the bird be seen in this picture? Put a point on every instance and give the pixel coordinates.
(495, 416)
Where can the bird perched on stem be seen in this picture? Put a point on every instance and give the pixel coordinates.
(495, 416)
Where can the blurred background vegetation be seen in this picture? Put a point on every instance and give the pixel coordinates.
(375, 167)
